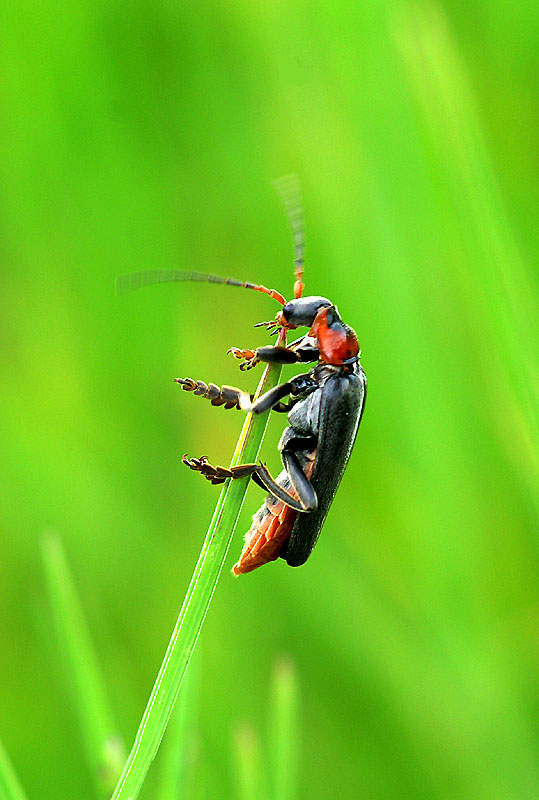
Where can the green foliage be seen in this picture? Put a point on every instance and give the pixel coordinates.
(146, 135)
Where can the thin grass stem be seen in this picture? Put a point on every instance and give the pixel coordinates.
(195, 605)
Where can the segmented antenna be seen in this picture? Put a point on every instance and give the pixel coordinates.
(290, 191)
(149, 277)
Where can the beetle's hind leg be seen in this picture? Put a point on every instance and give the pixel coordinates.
(218, 474)
(299, 480)
(261, 475)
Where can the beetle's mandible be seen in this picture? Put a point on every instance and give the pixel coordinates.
(324, 409)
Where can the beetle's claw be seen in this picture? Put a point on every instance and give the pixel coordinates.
(249, 356)
(197, 464)
(249, 364)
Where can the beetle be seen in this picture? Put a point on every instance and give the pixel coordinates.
(324, 409)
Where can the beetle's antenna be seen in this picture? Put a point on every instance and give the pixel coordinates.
(135, 280)
(290, 191)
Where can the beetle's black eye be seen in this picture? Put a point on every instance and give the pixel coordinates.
(288, 311)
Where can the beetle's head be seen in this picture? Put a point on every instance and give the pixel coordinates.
(302, 311)
(337, 342)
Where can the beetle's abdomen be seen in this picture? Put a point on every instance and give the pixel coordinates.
(272, 525)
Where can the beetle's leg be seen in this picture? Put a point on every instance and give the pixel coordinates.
(218, 474)
(283, 408)
(286, 355)
(306, 496)
(228, 396)
(258, 472)
(273, 326)
(249, 357)
(274, 355)
(301, 483)
(268, 399)
(300, 385)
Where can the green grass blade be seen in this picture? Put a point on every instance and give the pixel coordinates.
(103, 748)
(178, 754)
(195, 606)
(10, 788)
(284, 740)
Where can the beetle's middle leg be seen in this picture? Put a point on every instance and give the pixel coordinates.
(301, 385)
(227, 396)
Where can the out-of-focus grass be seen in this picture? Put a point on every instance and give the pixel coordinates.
(147, 136)
(10, 788)
(250, 779)
(104, 750)
(283, 754)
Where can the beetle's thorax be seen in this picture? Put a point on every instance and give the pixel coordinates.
(337, 342)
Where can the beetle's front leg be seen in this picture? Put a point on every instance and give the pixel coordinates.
(249, 357)
(274, 355)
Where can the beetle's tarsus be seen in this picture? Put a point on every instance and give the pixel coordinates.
(218, 474)
(227, 396)
(250, 357)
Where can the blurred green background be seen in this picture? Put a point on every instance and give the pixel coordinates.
(146, 135)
